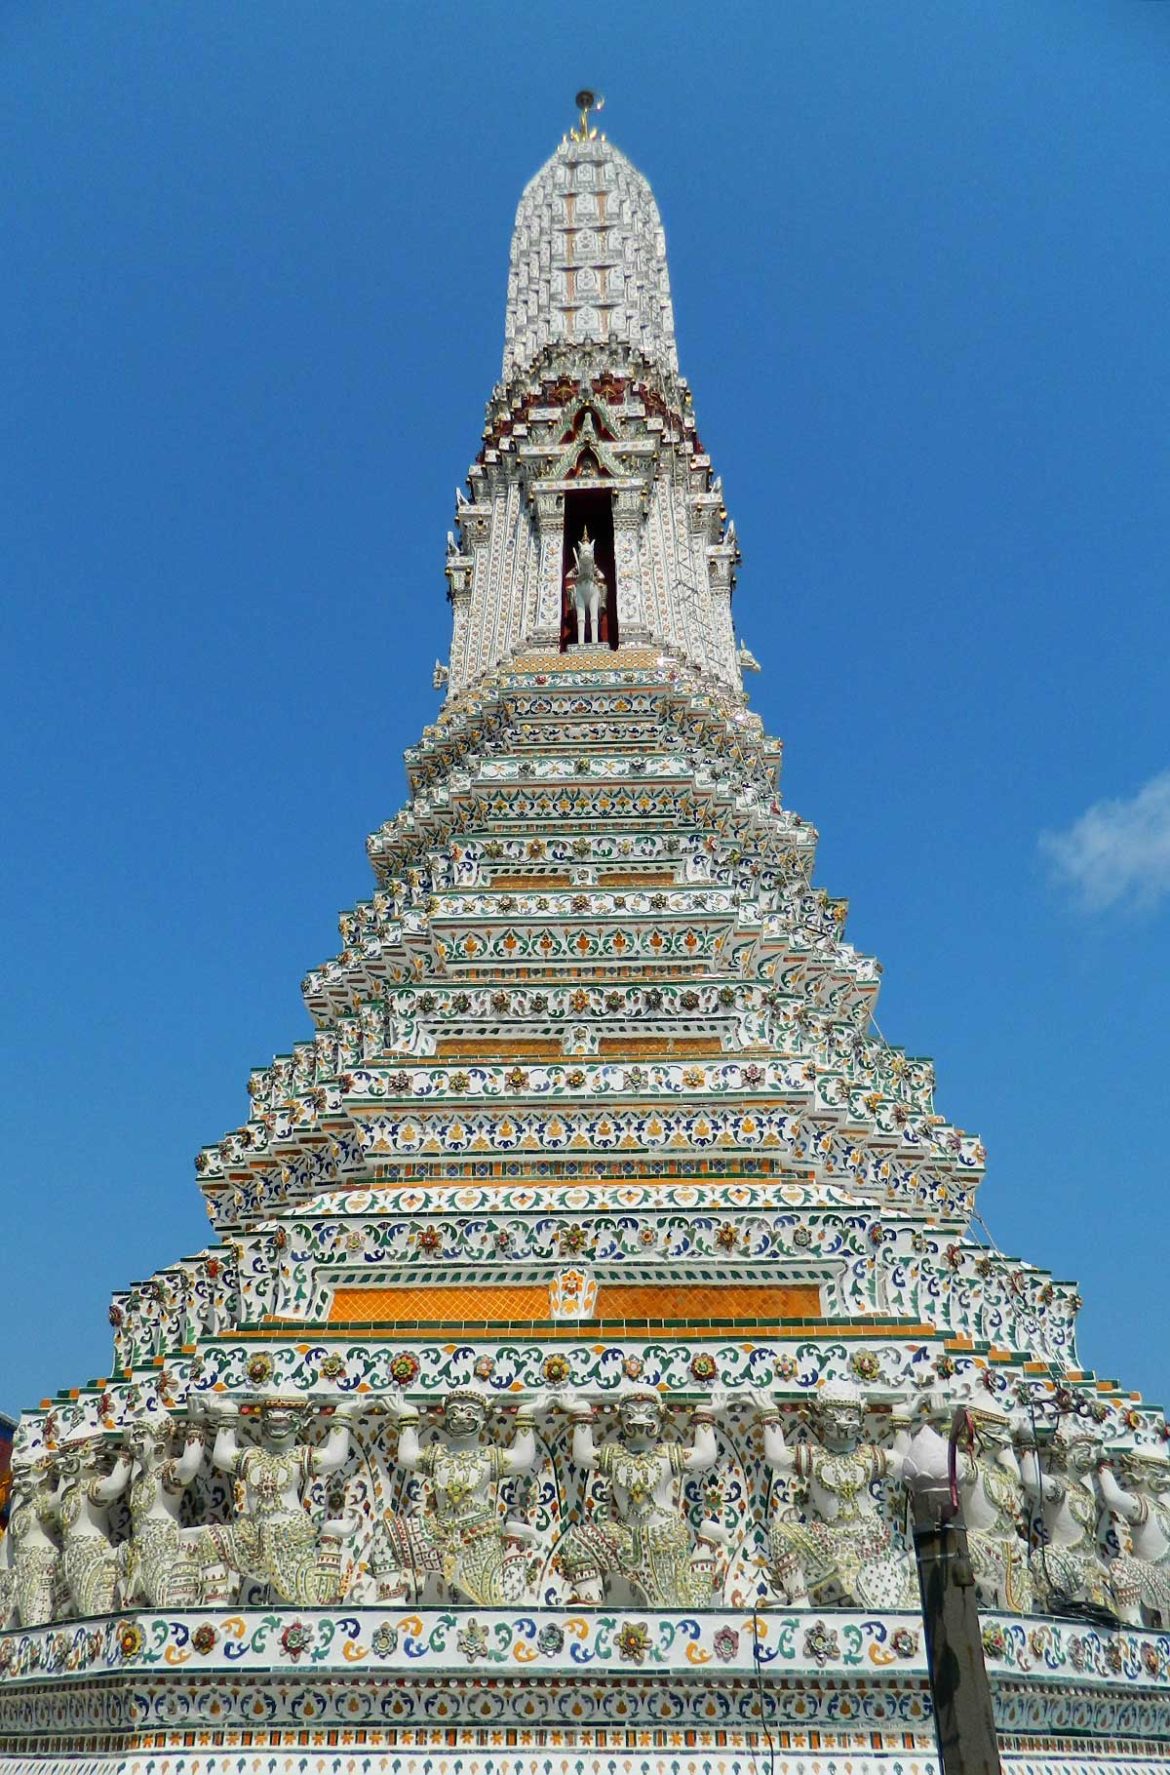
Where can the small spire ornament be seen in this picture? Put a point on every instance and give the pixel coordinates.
(586, 102)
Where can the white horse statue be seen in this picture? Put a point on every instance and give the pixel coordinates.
(587, 583)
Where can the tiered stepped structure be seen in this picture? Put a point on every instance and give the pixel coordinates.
(544, 1399)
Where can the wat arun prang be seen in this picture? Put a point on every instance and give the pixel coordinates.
(578, 1290)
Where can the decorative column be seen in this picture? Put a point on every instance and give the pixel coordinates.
(633, 628)
(550, 525)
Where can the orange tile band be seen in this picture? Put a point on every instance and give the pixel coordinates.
(537, 884)
(662, 1047)
(634, 878)
(615, 1300)
(458, 1047)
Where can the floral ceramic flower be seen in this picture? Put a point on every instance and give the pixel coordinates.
(994, 1640)
(430, 1240)
(865, 1365)
(1150, 1659)
(632, 1367)
(704, 1367)
(403, 1368)
(458, 1081)
(904, 1642)
(786, 1368)
(384, 1640)
(332, 1365)
(727, 1237)
(725, 1644)
(821, 1644)
(259, 1369)
(204, 1638)
(485, 1367)
(573, 1238)
(116, 1315)
(550, 1640)
(633, 1641)
(802, 1237)
(131, 1639)
(1114, 1657)
(516, 1079)
(297, 1638)
(556, 1369)
(472, 1640)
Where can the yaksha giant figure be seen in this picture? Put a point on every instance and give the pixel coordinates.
(272, 1540)
(32, 1549)
(162, 1567)
(995, 1513)
(642, 1537)
(1068, 1567)
(462, 1539)
(843, 1551)
(1139, 1577)
(84, 1496)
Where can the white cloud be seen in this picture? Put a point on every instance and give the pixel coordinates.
(1118, 852)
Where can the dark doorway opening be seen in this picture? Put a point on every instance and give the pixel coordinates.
(589, 508)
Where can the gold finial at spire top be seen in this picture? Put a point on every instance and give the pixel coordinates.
(585, 102)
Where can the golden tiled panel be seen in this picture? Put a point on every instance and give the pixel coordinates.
(618, 1300)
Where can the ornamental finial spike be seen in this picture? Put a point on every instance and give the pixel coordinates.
(586, 101)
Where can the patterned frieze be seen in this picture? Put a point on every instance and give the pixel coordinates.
(877, 1659)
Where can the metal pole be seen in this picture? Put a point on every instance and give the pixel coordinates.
(964, 1722)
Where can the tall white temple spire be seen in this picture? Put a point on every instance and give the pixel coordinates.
(591, 427)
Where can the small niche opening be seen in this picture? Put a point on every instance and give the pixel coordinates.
(589, 508)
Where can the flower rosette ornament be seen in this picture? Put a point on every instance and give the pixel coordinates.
(865, 1365)
(704, 1368)
(821, 1644)
(472, 1640)
(556, 1369)
(384, 1640)
(131, 1639)
(550, 1641)
(296, 1639)
(259, 1369)
(633, 1641)
(904, 1642)
(725, 1644)
(404, 1367)
(994, 1640)
(204, 1639)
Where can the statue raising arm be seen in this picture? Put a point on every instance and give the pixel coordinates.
(335, 1450)
(776, 1450)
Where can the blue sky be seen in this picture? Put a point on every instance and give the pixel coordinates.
(256, 268)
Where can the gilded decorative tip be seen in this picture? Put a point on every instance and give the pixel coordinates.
(586, 102)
